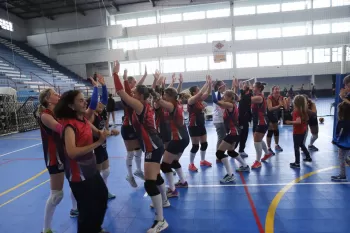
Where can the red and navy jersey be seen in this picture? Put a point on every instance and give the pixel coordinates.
(145, 127)
(259, 112)
(84, 167)
(275, 102)
(231, 121)
(196, 114)
(52, 143)
(100, 123)
(128, 111)
(162, 121)
(177, 123)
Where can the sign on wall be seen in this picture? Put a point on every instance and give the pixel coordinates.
(219, 51)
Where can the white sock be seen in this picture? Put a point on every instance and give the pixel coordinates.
(180, 174)
(258, 149)
(264, 147)
(313, 139)
(241, 160)
(162, 190)
(105, 173)
(227, 165)
(158, 206)
(51, 203)
(203, 155)
(129, 157)
(74, 202)
(138, 155)
(170, 178)
(192, 156)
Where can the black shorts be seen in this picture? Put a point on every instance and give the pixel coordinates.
(177, 146)
(260, 129)
(313, 122)
(101, 154)
(155, 156)
(55, 169)
(165, 136)
(287, 117)
(128, 133)
(197, 131)
(230, 139)
(273, 117)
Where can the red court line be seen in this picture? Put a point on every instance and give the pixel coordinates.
(5, 162)
(251, 202)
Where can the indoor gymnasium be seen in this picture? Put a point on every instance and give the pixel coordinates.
(174, 116)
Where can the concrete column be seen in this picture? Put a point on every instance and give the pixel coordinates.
(343, 60)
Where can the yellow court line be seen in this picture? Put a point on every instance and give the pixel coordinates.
(23, 183)
(270, 216)
(24, 193)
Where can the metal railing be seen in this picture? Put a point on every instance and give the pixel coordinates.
(7, 80)
(42, 79)
(20, 70)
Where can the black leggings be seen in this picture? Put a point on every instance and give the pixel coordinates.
(92, 197)
(244, 124)
(298, 140)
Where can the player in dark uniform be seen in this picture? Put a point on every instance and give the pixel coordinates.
(313, 123)
(152, 145)
(260, 123)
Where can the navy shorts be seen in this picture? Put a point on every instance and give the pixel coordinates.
(101, 154)
(55, 169)
(128, 133)
(197, 131)
(273, 117)
(155, 156)
(177, 146)
(260, 129)
(230, 139)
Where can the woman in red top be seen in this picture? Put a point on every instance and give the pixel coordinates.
(300, 119)
(196, 125)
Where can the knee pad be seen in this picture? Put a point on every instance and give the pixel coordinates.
(159, 180)
(56, 197)
(232, 153)
(276, 133)
(220, 154)
(269, 133)
(176, 164)
(165, 167)
(204, 146)
(151, 188)
(195, 148)
(105, 173)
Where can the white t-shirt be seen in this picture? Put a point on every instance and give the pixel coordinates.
(218, 115)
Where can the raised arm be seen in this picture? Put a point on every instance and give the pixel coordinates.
(142, 80)
(179, 87)
(221, 103)
(93, 101)
(126, 83)
(173, 79)
(198, 96)
(205, 95)
(104, 98)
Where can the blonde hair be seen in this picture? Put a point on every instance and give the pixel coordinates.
(300, 104)
(231, 94)
(43, 100)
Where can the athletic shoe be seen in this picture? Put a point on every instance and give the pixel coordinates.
(205, 163)
(166, 204)
(243, 169)
(110, 196)
(228, 179)
(271, 151)
(243, 154)
(73, 213)
(338, 178)
(158, 226)
(307, 159)
(278, 148)
(267, 156)
(181, 185)
(171, 194)
(312, 147)
(132, 181)
(139, 174)
(256, 164)
(294, 165)
(192, 168)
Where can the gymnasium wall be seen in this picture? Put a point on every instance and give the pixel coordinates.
(20, 30)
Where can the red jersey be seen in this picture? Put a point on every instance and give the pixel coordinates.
(84, 167)
(145, 127)
(196, 114)
(127, 114)
(275, 102)
(177, 123)
(259, 112)
(162, 121)
(231, 121)
(52, 143)
(298, 128)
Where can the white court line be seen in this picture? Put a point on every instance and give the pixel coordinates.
(20, 149)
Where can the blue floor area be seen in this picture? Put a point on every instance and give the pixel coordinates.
(313, 205)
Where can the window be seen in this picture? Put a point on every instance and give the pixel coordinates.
(216, 36)
(194, 15)
(336, 54)
(170, 18)
(127, 23)
(340, 2)
(196, 39)
(322, 28)
(270, 59)
(152, 66)
(173, 65)
(171, 41)
(340, 27)
(221, 65)
(269, 33)
(244, 60)
(148, 43)
(261, 9)
(6, 25)
(293, 6)
(322, 55)
(146, 21)
(245, 34)
(249, 10)
(294, 31)
(132, 67)
(114, 44)
(294, 57)
(127, 45)
(196, 63)
(112, 20)
(321, 3)
(218, 13)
